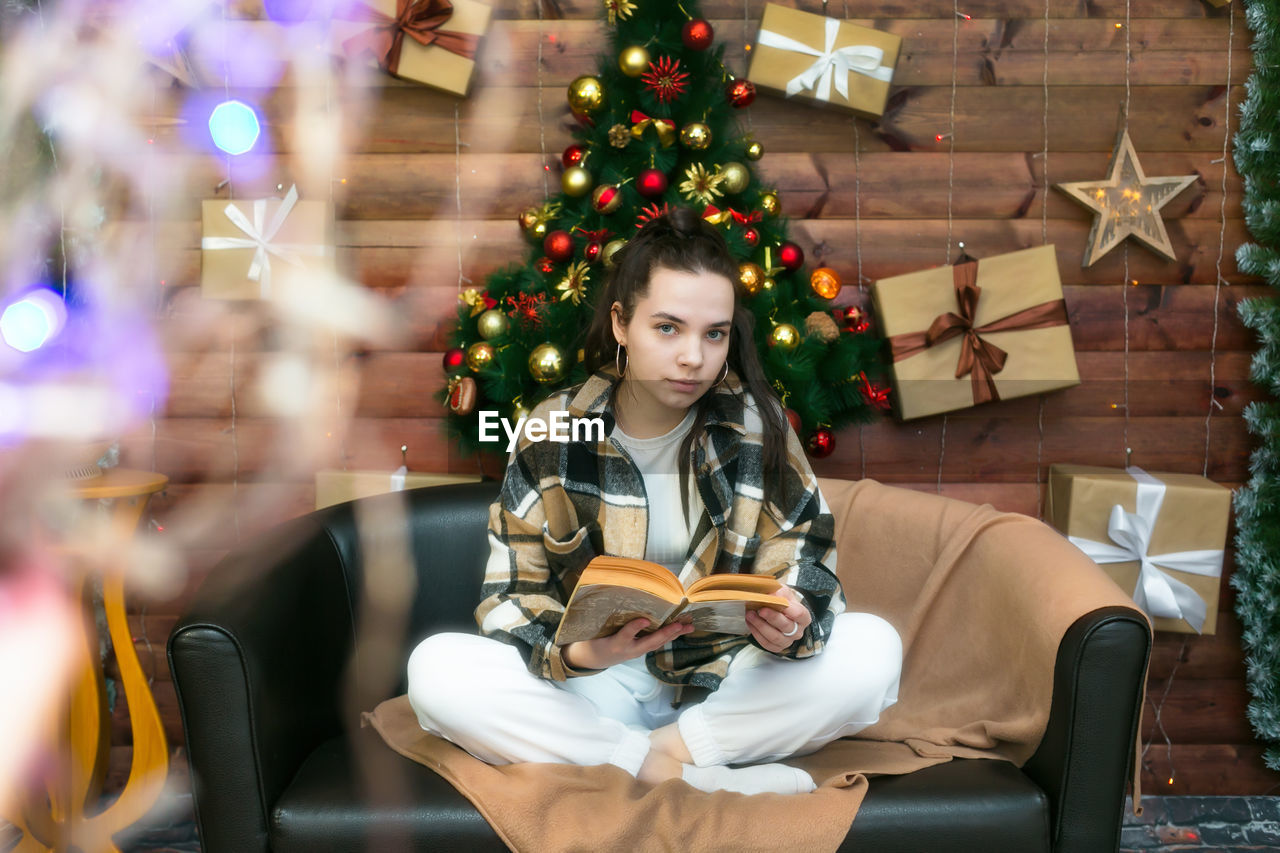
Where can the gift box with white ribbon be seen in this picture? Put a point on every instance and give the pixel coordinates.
(1159, 536)
(243, 243)
(824, 60)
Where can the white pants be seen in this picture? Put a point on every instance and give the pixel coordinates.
(478, 693)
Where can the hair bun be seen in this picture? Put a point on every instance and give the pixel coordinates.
(684, 221)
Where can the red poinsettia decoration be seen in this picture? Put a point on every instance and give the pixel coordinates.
(665, 79)
(874, 394)
(651, 212)
(525, 307)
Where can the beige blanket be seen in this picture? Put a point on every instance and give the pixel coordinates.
(981, 598)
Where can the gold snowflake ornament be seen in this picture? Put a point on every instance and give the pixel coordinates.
(619, 9)
(700, 185)
(574, 286)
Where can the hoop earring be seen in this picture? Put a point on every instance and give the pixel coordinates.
(617, 360)
(724, 375)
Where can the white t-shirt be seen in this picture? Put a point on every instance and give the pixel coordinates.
(658, 459)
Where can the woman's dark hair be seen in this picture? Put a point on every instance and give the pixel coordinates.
(683, 242)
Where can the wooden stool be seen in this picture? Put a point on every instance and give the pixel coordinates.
(60, 822)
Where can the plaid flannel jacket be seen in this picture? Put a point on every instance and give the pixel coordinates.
(563, 503)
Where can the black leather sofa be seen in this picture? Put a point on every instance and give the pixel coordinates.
(271, 673)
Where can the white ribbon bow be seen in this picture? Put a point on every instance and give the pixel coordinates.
(1156, 592)
(859, 58)
(260, 240)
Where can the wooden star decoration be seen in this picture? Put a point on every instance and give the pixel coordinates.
(1126, 204)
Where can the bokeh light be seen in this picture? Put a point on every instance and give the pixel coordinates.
(32, 321)
(234, 127)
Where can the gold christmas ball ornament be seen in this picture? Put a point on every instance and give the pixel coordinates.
(633, 61)
(784, 337)
(610, 249)
(586, 94)
(528, 218)
(492, 324)
(576, 181)
(755, 151)
(479, 355)
(769, 203)
(519, 413)
(547, 363)
(734, 178)
(695, 135)
(825, 282)
(751, 276)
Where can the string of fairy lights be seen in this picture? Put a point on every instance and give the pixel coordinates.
(950, 137)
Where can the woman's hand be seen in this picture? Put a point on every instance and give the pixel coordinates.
(604, 652)
(778, 630)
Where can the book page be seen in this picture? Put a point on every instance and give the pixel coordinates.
(598, 610)
(718, 617)
(764, 584)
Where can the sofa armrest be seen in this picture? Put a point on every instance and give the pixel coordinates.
(1086, 755)
(257, 663)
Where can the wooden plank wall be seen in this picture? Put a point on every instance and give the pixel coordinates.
(432, 182)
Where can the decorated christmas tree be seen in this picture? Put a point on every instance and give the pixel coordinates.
(656, 127)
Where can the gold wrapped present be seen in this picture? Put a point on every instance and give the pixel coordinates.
(242, 241)
(975, 332)
(335, 487)
(432, 42)
(1159, 536)
(824, 60)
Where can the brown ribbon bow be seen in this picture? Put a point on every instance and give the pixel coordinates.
(980, 359)
(421, 20)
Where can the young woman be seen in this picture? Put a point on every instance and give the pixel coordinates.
(699, 471)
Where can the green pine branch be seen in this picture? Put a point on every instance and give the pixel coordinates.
(1257, 504)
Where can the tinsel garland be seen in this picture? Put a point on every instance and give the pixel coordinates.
(1257, 504)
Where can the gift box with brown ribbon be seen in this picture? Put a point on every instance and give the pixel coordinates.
(975, 332)
(824, 60)
(1160, 536)
(432, 42)
(244, 243)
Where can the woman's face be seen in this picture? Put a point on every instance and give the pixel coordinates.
(677, 341)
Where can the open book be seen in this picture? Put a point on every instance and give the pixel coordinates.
(614, 590)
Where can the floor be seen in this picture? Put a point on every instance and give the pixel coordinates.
(1226, 824)
(1168, 825)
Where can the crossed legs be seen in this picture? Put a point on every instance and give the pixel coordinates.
(478, 694)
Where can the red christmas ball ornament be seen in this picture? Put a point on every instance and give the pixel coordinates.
(697, 34)
(752, 236)
(791, 256)
(546, 266)
(607, 198)
(853, 318)
(821, 443)
(558, 246)
(794, 418)
(453, 359)
(651, 183)
(573, 155)
(592, 251)
(740, 93)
